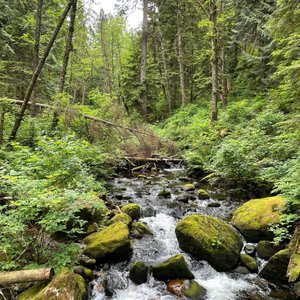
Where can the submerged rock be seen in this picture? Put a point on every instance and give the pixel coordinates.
(276, 267)
(242, 270)
(266, 249)
(173, 268)
(132, 210)
(254, 217)
(113, 281)
(208, 238)
(65, 285)
(138, 272)
(249, 262)
(124, 218)
(113, 242)
(140, 229)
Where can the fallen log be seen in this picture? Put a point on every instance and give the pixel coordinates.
(22, 276)
(155, 159)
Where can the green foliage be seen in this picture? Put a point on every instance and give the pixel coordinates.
(51, 185)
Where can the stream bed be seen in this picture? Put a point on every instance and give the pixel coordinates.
(161, 215)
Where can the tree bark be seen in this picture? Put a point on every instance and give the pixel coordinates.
(143, 93)
(36, 51)
(7, 278)
(180, 58)
(214, 61)
(37, 72)
(2, 116)
(223, 64)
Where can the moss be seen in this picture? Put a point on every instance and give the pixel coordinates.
(133, 210)
(173, 268)
(266, 249)
(86, 261)
(202, 194)
(138, 272)
(139, 229)
(276, 267)
(254, 217)
(32, 292)
(208, 238)
(249, 262)
(294, 268)
(113, 242)
(188, 187)
(64, 286)
(124, 218)
(194, 291)
(166, 193)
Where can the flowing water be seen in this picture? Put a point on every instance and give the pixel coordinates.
(161, 216)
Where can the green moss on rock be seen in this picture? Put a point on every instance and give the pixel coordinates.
(188, 187)
(165, 193)
(249, 262)
(297, 289)
(266, 249)
(194, 291)
(254, 217)
(65, 285)
(113, 242)
(276, 267)
(173, 268)
(138, 272)
(140, 229)
(208, 238)
(294, 268)
(133, 210)
(124, 218)
(32, 291)
(203, 195)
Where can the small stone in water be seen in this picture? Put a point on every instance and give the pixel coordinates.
(250, 249)
(214, 204)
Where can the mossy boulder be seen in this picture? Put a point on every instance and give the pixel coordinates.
(138, 272)
(113, 242)
(249, 262)
(208, 238)
(297, 289)
(86, 261)
(64, 286)
(188, 187)
(242, 270)
(124, 218)
(132, 210)
(86, 273)
(140, 229)
(194, 291)
(165, 193)
(276, 267)
(294, 268)
(173, 268)
(266, 249)
(203, 195)
(254, 217)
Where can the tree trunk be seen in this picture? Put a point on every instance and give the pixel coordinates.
(7, 278)
(143, 93)
(180, 58)
(36, 51)
(214, 62)
(38, 71)
(2, 116)
(223, 64)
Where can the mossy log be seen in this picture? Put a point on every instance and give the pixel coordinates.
(7, 278)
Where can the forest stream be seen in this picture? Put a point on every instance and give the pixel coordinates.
(161, 215)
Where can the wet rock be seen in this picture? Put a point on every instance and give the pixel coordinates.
(140, 229)
(86, 261)
(113, 281)
(173, 268)
(138, 272)
(188, 187)
(149, 211)
(86, 273)
(250, 249)
(119, 196)
(64, 285)
(123, 218)
(254, 217)
(249, 262)
(297, 289)
(276, 267)
(282, 295)
(193, 290)
(266, 249)
(196, 184)
(241, 270)
(294, 267)
(133, 210)
(184, 178)
(165, 193)
(203, 195)
(127, 197)
(176, 287)
(208, 238)
(113, 242)
(195, 171)
(183, 198)
(214, 204)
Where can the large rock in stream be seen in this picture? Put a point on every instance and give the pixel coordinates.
(253, 218)
(64, 286)
(208, 238)
(113, 242)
